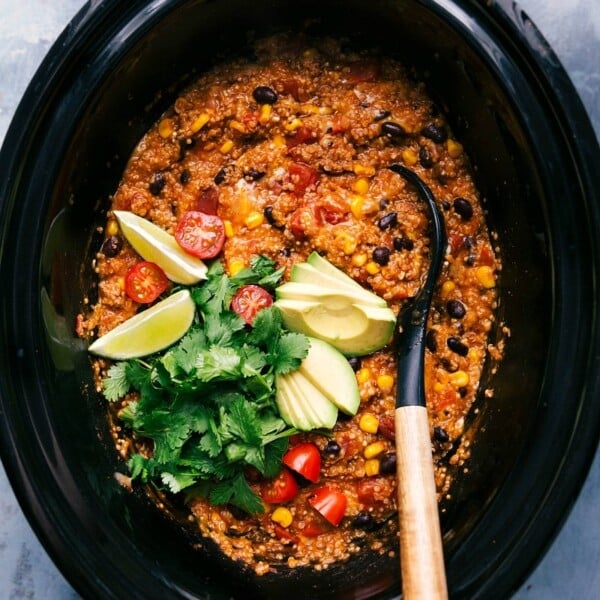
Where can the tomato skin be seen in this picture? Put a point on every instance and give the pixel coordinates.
(316, 527)
(330, 502)
(145, 282)
(304, 459)
(302, 177)
(200, 234)
(302, 135)
(282, 488)
(207, 201)
(249, 301)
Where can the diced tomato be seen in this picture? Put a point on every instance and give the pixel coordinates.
(282, 488)
(387, 426)
(145, 282)
(302, 135)
(249, 300)
(304, 459)
(486, 257)
(302, 177)
(331, 211)
(200, 234)
(207, 201)
(316, 527)
(456, 242)
(300, 221)
(340, 124)
(293, 87)
(283, 534)
(373, 490)
(330, 502)
(364, 70)
(444, 400)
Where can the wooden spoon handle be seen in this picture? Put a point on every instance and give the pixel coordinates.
(421, 553)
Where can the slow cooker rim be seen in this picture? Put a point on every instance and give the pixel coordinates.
(58, 60)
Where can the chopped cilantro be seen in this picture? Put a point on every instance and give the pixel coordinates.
(208, 402)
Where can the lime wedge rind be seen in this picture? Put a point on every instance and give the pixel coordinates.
(154, 244)
(150, 331)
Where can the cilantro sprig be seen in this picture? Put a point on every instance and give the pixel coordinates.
(208, 402)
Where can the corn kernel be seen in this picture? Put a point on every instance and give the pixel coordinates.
(121, 283)
(474, 355)
(374, 449)
(372, 467)
(366, 171)
(363, 375)
(112, 227)
(237, 126)
(459, 378)
(200, 122)
(369, 423)
(228, 226)
(385, 383)
(226, 147)
(448, 287)
(293, 125)
(485, 276)
(356, 206)
(235, 266)
(282, 516)
(279, 141)
(372, 268)
(165, 128)
(346, 241)
(265, 113)
(455, 148)
(361, 185)
(359, 260)
(254, 219)
(439, 387)
(409, 157)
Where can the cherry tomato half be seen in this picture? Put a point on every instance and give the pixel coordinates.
(145, 282)
(249, 300)
(330, 502)
(282, 488)
(304, 459)
(200, 234)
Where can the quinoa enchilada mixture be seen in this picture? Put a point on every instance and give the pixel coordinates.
(272, 410)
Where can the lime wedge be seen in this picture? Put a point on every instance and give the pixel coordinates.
(147, 332)
(155, 245)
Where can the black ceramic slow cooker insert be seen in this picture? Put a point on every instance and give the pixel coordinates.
(105, 81)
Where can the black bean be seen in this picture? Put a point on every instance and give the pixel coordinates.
(446, 205)
(425, 157)
(392, 129)
(381, 114)
(387, 463)
(184, 145)
(285, 252)
(403, 243)
(112, 246)
(237, 513)
(469, 242)
(435, 132)
(263, 94)
(463, 391)
(388, 221)
(383, 203)
(431, 341)
(363, 520)
(157, 184)
(364, 104)
(268, 212)
(332, 448)
(456, 309)
(254, 174)
(221, 176)
(448, 365)
(355, 362)
(463, 208)
(440, 434)
(381, 255)
(185, 177)
(457, 346)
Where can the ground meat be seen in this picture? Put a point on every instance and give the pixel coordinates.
(304, 169)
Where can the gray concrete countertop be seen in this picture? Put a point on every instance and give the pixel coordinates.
(570, 568)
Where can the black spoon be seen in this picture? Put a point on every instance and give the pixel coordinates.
(421, 552)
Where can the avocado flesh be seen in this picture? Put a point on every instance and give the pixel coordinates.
(316, 261)
(354, 329)
(304, 404)
(329, 371)
(305, 273)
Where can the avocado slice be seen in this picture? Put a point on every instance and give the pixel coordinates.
(324, 266)
(304, 405)
(330, 372)
(308, 274)
(351, 327)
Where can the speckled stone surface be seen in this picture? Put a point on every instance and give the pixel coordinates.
(570, 570)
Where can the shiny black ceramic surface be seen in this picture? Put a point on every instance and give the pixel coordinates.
(108, 77)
